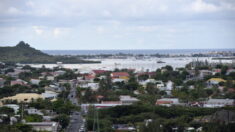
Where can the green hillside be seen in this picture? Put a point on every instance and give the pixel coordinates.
(23, 53)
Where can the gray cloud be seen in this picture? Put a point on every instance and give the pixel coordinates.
(122, 21)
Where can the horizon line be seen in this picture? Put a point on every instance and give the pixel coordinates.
(143, 49)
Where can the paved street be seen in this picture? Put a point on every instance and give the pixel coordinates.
(76, 121)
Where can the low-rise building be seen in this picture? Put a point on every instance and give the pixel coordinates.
(215, 81)
(123, 127)
(167, 101)
(215, 71)
(144, 83)
(89, 77)
(13, 106)
(127, 100)
(50, 78)
(92, 86)
(230, 71)
(44, 126)
(115, 80)
(98, 72)
(59, 72)
(31, 111)
(213, 103)
(35, 81)
(121, 75)
(204, 73)
(49, 95)
(18, 82)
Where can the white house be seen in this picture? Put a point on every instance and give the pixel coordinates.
(50, 78)
(204, 73)
(31, 111)
(115, 80)
(127, 100)
(49, 95)
(13, 106)
(169, 85)
(44, 126)
(59, 72)
(213, 103)
(35, 81)
(230, 71)
(215, 81)
(144, 83)
(160, 86)
(93, 86)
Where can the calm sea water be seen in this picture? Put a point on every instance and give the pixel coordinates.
(140, 65)
(163, 51)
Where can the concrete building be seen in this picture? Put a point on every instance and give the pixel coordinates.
(31, 111)
(213, 103)
(93, 86)
(167, 101)
(215, 81)
(35, 81)
(127, 100)
(50, 78)
(18, 82)
(49, 95)
(13, 106)
(44, 126)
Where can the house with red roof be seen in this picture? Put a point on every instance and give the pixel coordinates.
(214, 71)
(167, 101)
(98, 72)
(18, 82)
(89, 77)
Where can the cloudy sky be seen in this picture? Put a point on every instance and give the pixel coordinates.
(118, 24)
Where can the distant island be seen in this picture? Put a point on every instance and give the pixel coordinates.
(23, 53)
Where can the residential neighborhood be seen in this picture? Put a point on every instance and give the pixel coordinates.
(117, 65)
(45, 98)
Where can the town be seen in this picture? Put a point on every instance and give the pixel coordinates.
(197, 97)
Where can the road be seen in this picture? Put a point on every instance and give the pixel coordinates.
(76, 120)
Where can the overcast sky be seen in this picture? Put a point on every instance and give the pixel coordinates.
(118, 24)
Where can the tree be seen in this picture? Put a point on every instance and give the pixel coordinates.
(6, 110)
(151, 89)
(169, 68)
(44, 83)
(63, 106)
(232, 75)
(9, 128)
(154, 126)
(33, 118)
(143, 77)
(89, 96)
(24, 127)
(63, 119)
(224, 69)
